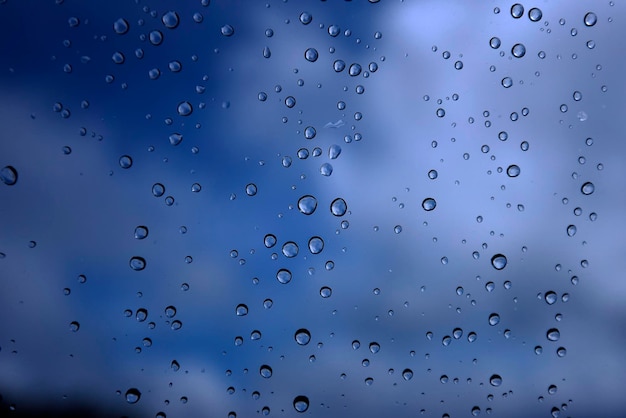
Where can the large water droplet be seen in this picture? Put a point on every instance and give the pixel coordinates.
(184, 109)
(170, 311)
(175, 139)
(518, 50)
(74, 326)
(571, 230)
(170, 20)
(535, 14)
(495, 380)
(155, 37)
(494, 319)
(141, 315)
(326, 292)
(339, 66)
(269, 241)
(334, 151)
(120, 26)
(137, 263)
(513, 170)
(326, 169)
(587, 188)
(125, 161)
(302, 336)
(158, 190)
(283, 276)
(133, 395)
(495, 42)
(309, 132)
(290, 101)
(429, 204)
(290, 249)
(311, 54)
(590, 19)
(265, 371)
(316, 245)
(307, 204)
(301, 403)
(241, 310)
(550, 297)
(251, 189)
(8, 175)
(407, 374)
(227, 30)
(553, 334)
(498, 261)
(517, 10)
(141, 232)
(338, 207)
(306, 18)
(354, 70)
(374, 347)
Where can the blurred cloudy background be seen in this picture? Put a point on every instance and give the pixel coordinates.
(216, 102)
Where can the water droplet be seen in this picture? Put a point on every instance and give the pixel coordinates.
(141, 232)
(316, 245)
(535, 14)
(241, 310)
(170, 20)
(339, 66)
(307, 204)
(326, 292)
(265, 371)
(354, 70)
(334, 30)
(553, 334)
(311, 54)
(118, 58)
(518, 50)
(590, 19)
(301, 403)
(429, 204)
(120, 26)
(326, 169)
(494, 319)
(517, 10)
(513, 171)
(334, 151)
(133, 395)
(587, 188)
(175, 139)
(374, 347)
(495, 42)
(306, 18)
(269, 240)
(309, 132)
(74, 326)
(227, 30)
(550, 297)
(432, 174)
(184, 109)
(302, 336)
(137, 263)
(290, 101)
(283, 276)
(251, 189)
(125, 161)
(507, 82)
(170, 311)
(141, 315)
(571, 230)
(290, 249)
(440, 113)
(495, 380)
(158, 190)
(8, 175)
(407, 374)
(338, 207)
(498, 261)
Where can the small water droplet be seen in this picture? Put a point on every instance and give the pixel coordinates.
(302, 336)
(550, 297)
(507, 82)
(494, 319)
(316, 245)
(170, 311)
(339, 66)
(309, 132)
(518, 50)
(535, 14)
(513, 171)
(141, 232)
(184, 109)
(74, 326)
(587, 188)
(354, 70)
(290, 249)
(374, 347)
(326, 292)
(265, 371)
(495, 42)
(553, 334)
(251, 189)
(120, 26)
(306, 18)
(407, 374)
(125, 161)
(571, 230)
(269, 240)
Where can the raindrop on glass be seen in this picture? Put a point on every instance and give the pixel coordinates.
(307, 204)
(429, 203)
(283, 276)
(311, 55)
(8, 175)
(498, 261)
(590, 19)
(301, 403)
(170, 20)
(133, 395)
(338, 207)
(302, 336)
(184, 109)
(517, 10)
(494, 319)
(241, 310)
(316, 245)
(227, 30)
(587, 188)
(137, 263)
